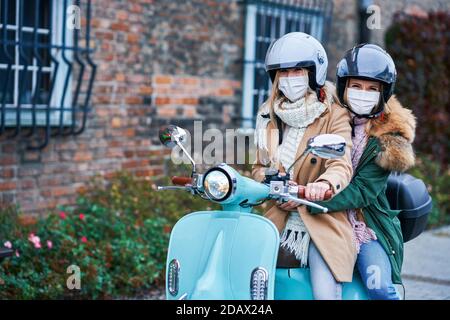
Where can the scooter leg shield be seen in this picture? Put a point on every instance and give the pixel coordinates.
(216, 253)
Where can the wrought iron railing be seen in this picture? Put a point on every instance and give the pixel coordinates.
(46, 69)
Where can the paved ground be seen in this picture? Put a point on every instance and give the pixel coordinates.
(426, 268)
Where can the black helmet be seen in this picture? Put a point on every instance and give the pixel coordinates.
(367, 61)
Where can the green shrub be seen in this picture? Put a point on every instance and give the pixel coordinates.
(117, 234)
(139, 198)
(116, 254)
(437, 180)
(420, 48)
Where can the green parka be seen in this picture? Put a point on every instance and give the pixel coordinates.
(388, 149)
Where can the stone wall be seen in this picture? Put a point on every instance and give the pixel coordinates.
(415, 7)
(344, 32)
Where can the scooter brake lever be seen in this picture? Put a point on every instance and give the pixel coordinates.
(306, 202)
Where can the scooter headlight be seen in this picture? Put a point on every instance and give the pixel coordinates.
(217, 185)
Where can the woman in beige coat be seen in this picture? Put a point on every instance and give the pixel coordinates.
(301, 106)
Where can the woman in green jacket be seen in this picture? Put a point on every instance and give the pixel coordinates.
(382, 135)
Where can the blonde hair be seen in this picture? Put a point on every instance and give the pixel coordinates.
(274, 96)
(277, 95)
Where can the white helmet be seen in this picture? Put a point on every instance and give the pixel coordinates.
(298, 49)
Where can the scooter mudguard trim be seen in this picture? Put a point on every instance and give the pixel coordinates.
(295, 284)
(217, 252)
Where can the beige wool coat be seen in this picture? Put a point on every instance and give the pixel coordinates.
(331, 233)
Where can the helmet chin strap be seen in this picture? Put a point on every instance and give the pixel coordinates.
(367, 116)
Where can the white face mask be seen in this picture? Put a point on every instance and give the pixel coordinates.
(293, 88)
(362, 102)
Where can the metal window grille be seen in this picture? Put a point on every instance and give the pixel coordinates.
(267, 20)
(46, 70)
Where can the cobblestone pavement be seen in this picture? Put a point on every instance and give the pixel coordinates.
(426, 266)
(157, 294)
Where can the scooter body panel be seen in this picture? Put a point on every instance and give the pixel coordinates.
(217, 252)
(295, 284)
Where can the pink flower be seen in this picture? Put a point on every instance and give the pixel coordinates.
(81, 216)
(49, 244)
(8, 244)
(35, 240)
(83, 239)
(62, 215)
(17, 253)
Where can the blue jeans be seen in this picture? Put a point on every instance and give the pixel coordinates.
(375, 269)
(323, 284)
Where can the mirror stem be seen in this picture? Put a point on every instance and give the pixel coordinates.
(302, 155)
(187, 154)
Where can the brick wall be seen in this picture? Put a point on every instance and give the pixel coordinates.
(158, 62)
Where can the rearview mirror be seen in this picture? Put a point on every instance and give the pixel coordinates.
(175, 136)
(172, 135)
(327, 146)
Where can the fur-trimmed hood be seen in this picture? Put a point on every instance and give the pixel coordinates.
(395, 132)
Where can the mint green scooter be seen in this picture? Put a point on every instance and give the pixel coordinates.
(231, 254)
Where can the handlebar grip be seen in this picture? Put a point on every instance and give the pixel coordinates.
(301, 193)
(181, 181)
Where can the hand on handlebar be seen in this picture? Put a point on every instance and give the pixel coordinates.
(318, 191)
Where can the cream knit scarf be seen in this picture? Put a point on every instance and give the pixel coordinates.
(297, 116)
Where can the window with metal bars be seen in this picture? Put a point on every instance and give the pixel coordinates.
(46, 70)
(266, 21)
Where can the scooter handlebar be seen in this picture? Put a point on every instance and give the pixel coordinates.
(301, 193)
(181, 181)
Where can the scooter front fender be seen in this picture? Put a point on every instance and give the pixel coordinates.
(216, 253)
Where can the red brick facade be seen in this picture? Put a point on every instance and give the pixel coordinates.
(159, 62)
(149, 74)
